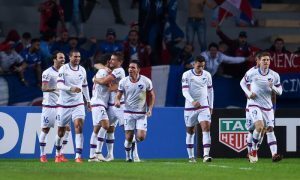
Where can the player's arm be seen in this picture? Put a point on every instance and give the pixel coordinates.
(232, 60)
(113, 87)
(61, 83)
(119, 93)
(243, 84)
(210, 94)
(45, 80)
(276, 86)
(151, 96)
(186, 92)
(105, 80)
(273, 98)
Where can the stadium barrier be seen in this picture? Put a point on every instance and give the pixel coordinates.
(20, 127)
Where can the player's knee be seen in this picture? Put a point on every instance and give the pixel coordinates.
(140, 138)
(61, 133)
(270, 129)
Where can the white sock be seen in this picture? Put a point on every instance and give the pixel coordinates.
(206, 140)
(79, 145)
(189, 140)
(101, 137)
(128, 146)
(134, 147)
(58, 143)
(43, 142)
(65, 141)
(110, 140)
(249, 142)
(93, 144)
(255, 139)
(272, 142)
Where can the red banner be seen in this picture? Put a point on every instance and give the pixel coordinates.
(285, 63)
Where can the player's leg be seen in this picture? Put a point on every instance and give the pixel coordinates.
(204, 119)
(129, 127)
(47, 121)
(63, 118)
(271, 138)
(93, 143)
(110, 140)
(257, 118)
(250, 128)
(141, 133)
(104, 123)
(190, 118)
(64, 143)
(78, 116)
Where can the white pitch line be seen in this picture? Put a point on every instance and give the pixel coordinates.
(228, 167)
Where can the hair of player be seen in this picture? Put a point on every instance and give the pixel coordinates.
(104, 58)
(278, 39)
(55, 53)
(134, 61)
(264, 53)
(73, 51)
(199, 59)
(34, 40)
(119, 56)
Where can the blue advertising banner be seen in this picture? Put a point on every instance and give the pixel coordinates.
(20, 128)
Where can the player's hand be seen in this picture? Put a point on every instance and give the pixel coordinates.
(149, 113)
(89, 107)
(196, 104)
(117, 104)
(271, 84)
(252, 96)
(75, 90)
(107, 69)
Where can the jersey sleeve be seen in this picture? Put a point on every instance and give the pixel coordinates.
(121, 85)
(46, 77)
(116, 73)
(277, 88)
(149, 85)
(185, 88)
(61, 76)
(185, 81)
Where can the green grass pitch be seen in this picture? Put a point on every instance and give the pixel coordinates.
(157, 169)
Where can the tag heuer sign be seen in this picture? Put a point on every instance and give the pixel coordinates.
(233, 133)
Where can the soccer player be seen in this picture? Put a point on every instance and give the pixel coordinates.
(199, 95)
(72, 85)
(135, 88)
(100, 118)
(50, 96)
(263, 81)
(115, 114)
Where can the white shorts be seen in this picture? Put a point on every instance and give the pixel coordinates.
(258, 113)
(116, 115)
(66, 114)
(48, 117)
(99, 113)
(194, 117)
(135, 121)
(249, 122)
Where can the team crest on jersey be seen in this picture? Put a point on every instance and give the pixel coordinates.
(233, 133)
(140, 86)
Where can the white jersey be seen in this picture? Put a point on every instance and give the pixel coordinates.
(197, 88)
(260, 86)
(49, 76)
(71, 78)
(119, 74)
(100, 92)
(248, 83)
(135, 93)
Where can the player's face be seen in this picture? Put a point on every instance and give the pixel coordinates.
(199, 66)
(133, 37)
(113, 62)
(133, 70)
(60, 59)
(75, 58)
(264, 62)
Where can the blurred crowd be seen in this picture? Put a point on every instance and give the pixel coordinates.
(154, 39)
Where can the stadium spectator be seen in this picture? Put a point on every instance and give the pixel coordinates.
(135, 50)
(51, 14)
(110, 44)
(62, 43)
(278, 47)
(214, 58)
(46, 45)
(74, 15)
(11, 62)
(26, 39)
(196, 23)
(13, 36)
(33, 60)
(117, 13)
(185, 57)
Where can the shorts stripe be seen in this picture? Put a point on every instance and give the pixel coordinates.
(262, 108)
(132, 112)
(193, 109)
(61, 106)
